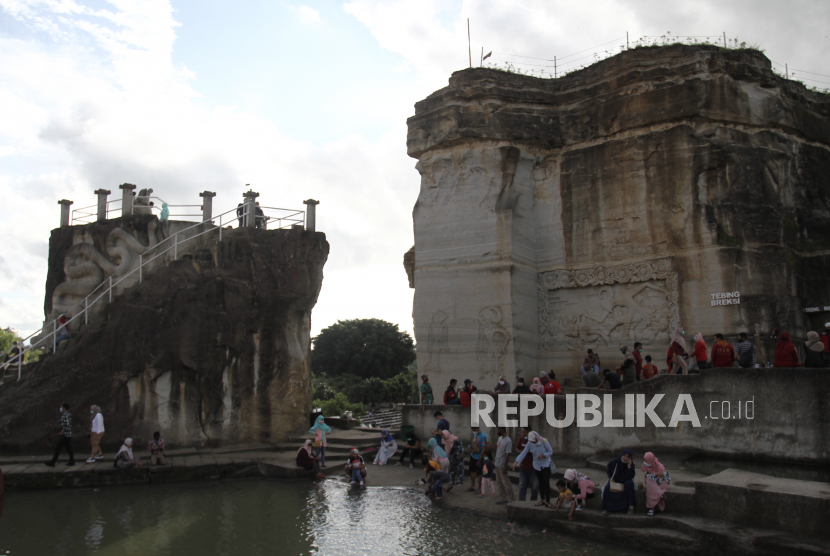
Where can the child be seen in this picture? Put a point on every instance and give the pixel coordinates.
(356, 466)
(488, 474)
(566, 498)
(437, 481)
(429, 466)
(649, 369)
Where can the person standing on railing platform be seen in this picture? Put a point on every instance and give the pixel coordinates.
(240, 212)
(260, 217)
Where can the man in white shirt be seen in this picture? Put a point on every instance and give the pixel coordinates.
(96, 433)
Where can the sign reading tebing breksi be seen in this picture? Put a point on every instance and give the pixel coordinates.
(726, 298)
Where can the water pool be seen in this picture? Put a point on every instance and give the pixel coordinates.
(263, 517)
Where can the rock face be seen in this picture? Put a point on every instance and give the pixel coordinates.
(611, 205)
(210, 348)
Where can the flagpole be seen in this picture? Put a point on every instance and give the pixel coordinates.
(469, 47)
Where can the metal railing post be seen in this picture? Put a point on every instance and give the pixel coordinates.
(20, 362)
(110, 289)
(54, 336)
(140, 268)
(86, 310)
(175, 246)
(220, 227)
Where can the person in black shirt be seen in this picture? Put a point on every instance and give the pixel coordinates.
(613, 380)
(521, 388)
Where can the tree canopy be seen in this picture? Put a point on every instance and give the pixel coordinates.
(364, 348)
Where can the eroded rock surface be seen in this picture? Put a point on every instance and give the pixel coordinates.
(212, 348)
(608, 206)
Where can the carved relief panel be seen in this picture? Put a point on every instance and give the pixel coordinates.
(607, 305)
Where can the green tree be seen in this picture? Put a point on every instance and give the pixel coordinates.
(7, 338)
(364, 348)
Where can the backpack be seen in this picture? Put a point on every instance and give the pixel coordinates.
(745, 360)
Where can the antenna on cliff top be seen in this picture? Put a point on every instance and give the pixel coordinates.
(469, 48)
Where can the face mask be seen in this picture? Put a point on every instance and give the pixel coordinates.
(501, 382)
(61, 409)
(91, 412)
(641, 351)
(683, 333)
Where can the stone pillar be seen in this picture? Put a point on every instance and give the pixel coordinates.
(126, 198)
(207, 204)
(250, 208)
(64, 203)
(102, 203)
(311, 214)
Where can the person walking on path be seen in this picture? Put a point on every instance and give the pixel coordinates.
(786, 354)
(539, 449)
(504, 447)
(618, 492)
(723, 354)
(426, 390)
(65, 440)
(745, 352)
(678, 349)
(657, 482)
(319, 430)
(156, 449)
(96, 434)
(527, 475)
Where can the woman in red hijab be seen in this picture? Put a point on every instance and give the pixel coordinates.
(786, 354)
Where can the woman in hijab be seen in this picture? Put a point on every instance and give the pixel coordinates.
(455, 452)
(786, 354)
(438, 455)
(581, 486)
(319, 430)
(387, 449)
(701, 349)
(618, 493)
(814, 352)
(124, 458)
(308, 461)
(539, 449)
(657, 482)
(678, 350)
(537, 388)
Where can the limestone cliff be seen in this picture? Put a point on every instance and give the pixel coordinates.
(608, 206)
(210, 348)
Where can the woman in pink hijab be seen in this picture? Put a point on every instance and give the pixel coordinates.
(581, 486)
(657, 482)
(447, 439)
(537, 388)
(678, 350)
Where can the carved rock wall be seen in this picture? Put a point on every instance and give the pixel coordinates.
(211, 348)
(607, 206)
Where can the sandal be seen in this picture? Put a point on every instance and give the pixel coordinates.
(542, 503)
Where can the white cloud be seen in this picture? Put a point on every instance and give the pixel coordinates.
(308, 15)
(84, 121)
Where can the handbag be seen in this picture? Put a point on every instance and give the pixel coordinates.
(318, 443)
(613, 486)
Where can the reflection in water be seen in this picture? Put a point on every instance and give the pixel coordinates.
(262, 517)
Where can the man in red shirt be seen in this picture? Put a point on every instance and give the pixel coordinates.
(723, 354)
(552, 387)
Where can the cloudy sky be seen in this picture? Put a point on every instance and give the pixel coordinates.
(299, 100)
